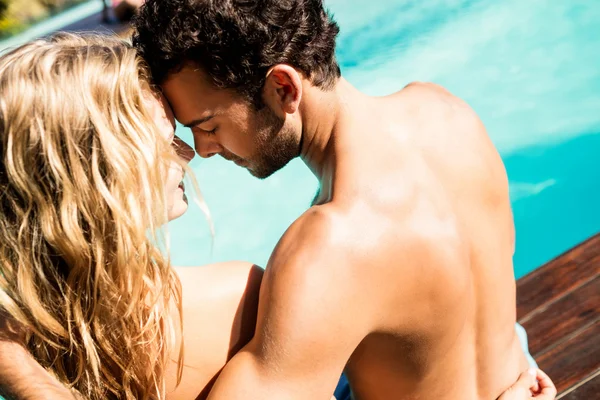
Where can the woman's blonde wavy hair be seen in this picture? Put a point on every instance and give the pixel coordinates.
(82, 203)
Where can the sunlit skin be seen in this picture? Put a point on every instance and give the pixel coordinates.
(163, 118)
(220, 295)
(408, 246)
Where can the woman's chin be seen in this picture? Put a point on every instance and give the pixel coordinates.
(178, 209)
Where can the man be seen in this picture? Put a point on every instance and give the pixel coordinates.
(401, 273)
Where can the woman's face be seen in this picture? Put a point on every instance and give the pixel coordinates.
(164, 120)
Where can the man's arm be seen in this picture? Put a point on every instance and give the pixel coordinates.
(22, 378)
(310, 320)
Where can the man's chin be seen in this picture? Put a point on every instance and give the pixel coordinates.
(264, 172)
(259, 174)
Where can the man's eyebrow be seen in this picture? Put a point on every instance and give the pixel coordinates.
(198, 121)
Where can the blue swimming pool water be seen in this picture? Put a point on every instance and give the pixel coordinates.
(531, 71)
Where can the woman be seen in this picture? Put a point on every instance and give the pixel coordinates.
(89, 177)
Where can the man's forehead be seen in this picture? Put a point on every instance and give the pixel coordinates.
(192, 98)
(189, 74)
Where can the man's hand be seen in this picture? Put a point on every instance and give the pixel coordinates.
(532, 384)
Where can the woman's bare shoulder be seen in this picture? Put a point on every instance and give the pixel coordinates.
(220, 303)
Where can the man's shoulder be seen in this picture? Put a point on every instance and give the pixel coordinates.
(427, 90)
(322, 252)
(330, 242)
(433, 99)
(329, 230)
(308, 239)
(313, 273)
(338, 259)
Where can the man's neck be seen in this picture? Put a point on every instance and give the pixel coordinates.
(322, 112)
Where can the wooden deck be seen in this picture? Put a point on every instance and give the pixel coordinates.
(559, 306)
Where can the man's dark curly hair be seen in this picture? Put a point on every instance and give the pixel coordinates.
(235, 42)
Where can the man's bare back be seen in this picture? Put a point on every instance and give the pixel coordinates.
(442, 258)
(404, 266)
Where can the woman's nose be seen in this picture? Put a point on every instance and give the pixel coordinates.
(184, 150)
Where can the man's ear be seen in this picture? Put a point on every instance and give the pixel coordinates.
(283, 89)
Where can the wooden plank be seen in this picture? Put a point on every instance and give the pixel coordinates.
(555, 322)
(589, 390)
(558, 277)
(574, 359)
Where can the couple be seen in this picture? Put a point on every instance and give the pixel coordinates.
(399, 275)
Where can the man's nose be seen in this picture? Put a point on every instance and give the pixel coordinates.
(206, 147)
